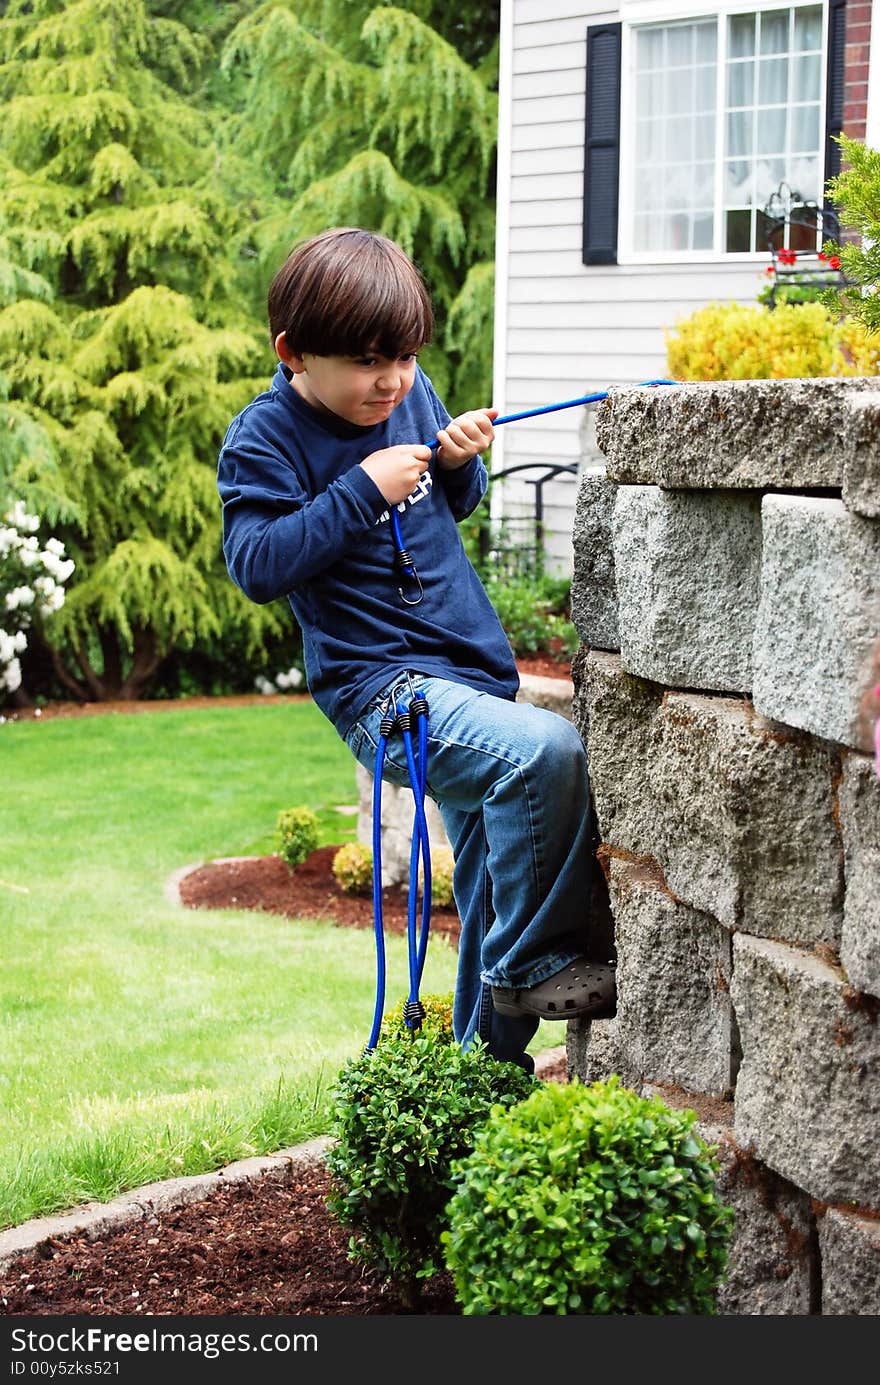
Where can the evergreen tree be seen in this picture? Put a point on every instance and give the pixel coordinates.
(368, 114)
(130, 364)
(856, 193)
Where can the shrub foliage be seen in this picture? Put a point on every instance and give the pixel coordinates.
(403, 1114)
(587, 1200)
(296, 835)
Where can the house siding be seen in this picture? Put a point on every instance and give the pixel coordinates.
(565, 329)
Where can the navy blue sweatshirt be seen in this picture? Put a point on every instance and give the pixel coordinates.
(302, 519)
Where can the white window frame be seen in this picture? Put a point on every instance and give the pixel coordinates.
(634, 13)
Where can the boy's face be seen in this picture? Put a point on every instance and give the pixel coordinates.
(361, 389)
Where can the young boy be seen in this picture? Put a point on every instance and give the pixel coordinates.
(308, 474)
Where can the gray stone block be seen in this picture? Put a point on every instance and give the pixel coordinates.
(860, 824)
(614, 712)
(593, 1051)
(688, 580)
(861, 471)
(743, 818)
(553, 694)
(730, 433)
(771, 1263)
(593, 586)
(808, 1090)
(819, 615)
(673, 978)
(849, 1245)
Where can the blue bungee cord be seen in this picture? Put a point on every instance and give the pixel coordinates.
(414, 1011)
(401, 718)
(403, 560)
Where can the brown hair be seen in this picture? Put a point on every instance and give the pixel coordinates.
(348, 291)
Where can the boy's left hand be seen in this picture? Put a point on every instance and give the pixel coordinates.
(464, 437)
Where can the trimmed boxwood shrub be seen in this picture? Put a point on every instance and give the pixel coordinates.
(587, 1200)
(353, 868)
(402, 1115)
(296, 835)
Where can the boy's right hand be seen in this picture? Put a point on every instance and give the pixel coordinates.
(396, 470)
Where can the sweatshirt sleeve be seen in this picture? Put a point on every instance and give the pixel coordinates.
(274, 535)
(465, 486)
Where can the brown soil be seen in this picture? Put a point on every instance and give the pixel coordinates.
(257, 1248)
(310, 891)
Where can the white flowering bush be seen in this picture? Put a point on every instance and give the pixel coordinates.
(31, 584)
(287, 681)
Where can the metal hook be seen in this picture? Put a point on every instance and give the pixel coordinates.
(415, 600)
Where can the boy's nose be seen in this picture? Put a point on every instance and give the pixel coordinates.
(389, 379)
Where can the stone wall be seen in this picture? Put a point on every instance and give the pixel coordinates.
(726, 592)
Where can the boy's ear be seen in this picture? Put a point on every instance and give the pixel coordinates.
(292, 359)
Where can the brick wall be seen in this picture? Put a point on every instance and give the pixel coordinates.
(858, 41)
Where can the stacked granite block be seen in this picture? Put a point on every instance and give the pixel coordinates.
(726, 592)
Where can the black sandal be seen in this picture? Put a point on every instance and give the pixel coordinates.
(580, 989)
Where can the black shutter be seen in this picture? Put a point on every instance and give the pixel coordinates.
(602, 144)
(834, 85)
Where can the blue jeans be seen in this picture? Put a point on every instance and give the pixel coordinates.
(510, 781)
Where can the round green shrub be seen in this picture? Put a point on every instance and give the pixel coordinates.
(587, 1200)
(353, 868)
(402, 1115)
(296, 835)
(437, 1019)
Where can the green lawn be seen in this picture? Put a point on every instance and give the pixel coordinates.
(139, 1039)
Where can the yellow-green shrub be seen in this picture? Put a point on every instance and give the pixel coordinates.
(442, 866)
(437, 1019)
(296, 835)
(353, 868)
(733, 341)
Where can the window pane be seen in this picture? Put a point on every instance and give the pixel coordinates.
(741, 39)
(680, 45)
(774, 31)
(703, 231)
(706, 43)
(740, 84)
(739, 231)
(739, 132)
(704, 138)
(806, 78)
(784, 141)
(772, 81)
(738, 184)
(649, 141)
(808, 28)
(649, 48)
(804, 128)
(679, 92)
(648, 94)
(707, 86)
(675, 141)
(771, 132)
(805, 175)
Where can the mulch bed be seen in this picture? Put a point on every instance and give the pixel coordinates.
(310, 891)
